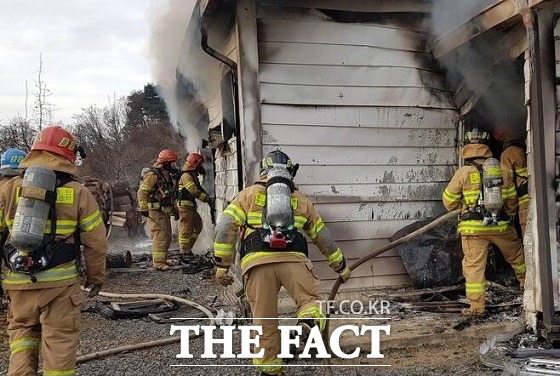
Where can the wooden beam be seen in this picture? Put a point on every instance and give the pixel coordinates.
(379, 6)
(510, 47)
(484, 21)
(533, 3)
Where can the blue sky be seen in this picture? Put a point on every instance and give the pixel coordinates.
(91, 50)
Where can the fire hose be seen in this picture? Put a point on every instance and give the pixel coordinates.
(332, 295)
(144, 345)
(435, 223)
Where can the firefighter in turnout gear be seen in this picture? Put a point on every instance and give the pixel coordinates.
(480, 224)
(514, 158)
(273, 215)
(42, 283)
(189, 190)
(9, 167)
(155, 202)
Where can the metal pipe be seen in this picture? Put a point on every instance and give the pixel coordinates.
(232, 65)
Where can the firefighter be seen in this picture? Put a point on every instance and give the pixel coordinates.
(155, 202)
(9, 167)
(478, 230)
(9, 164)
(42, 284)
(268, 260)
(189, 190)
(514, 158)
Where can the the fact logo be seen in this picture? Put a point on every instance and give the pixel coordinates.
(250, 335)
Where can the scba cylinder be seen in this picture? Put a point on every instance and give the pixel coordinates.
(492, 181)
(279, 212)
(32, 213)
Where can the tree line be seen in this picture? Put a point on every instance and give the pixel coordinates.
(119, 139)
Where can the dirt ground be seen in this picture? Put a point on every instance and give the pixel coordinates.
(458, 355)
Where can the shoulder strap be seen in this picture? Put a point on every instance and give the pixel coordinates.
(479, 168)
(195, 179)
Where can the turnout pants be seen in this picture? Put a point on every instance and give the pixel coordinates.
(48, 319)
(190, 226)
(475, 250)
(160, 233)
(263, 283)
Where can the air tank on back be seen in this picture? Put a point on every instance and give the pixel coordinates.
(32, 214)
(279, 212)
(492, 182)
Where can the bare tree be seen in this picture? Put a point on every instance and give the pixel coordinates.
(18, 133)
(43, 109)
(100, 131)
(125, 136)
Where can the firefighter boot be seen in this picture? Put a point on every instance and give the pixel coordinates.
(306, 326)
(473, 312)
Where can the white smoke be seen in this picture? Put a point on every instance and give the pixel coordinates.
(183, 73)
(500, 89)
(185, 77)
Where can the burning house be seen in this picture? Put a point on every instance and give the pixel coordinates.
(371, 98)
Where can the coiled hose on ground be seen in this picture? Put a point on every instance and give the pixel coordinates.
(332, 295)
(145, 345)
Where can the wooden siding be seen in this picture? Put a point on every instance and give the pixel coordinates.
(368, 116)
(225, 157)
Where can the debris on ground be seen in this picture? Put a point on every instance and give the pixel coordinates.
(421, 342)
(521, 353)
(134, 310)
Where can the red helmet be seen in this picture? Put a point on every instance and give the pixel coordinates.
(194, 160)
(167, 155)
(499, 132)
(57, 140)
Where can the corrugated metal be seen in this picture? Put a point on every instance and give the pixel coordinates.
(369, 117)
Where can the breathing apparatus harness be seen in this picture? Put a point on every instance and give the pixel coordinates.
(166, 190)
(183, 194)
(489, 205)
(277, 233)
(28, 251)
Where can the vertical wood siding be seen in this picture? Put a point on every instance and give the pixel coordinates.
(368, 116)
(225, 157)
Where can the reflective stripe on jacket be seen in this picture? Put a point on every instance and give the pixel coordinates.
(193, 190)
(463, 191)
(76, 210)
(153, 189)
(514, 158)
(247, 209)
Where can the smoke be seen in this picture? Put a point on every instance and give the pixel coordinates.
(446, 14)
(183, 73)
(481, 66)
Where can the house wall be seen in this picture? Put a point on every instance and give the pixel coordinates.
(366, 113)
(225, 156)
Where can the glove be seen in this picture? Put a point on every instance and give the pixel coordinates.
(345, 274)
(223, 277)
(145, 213)
(93, 289)
(343, 271)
